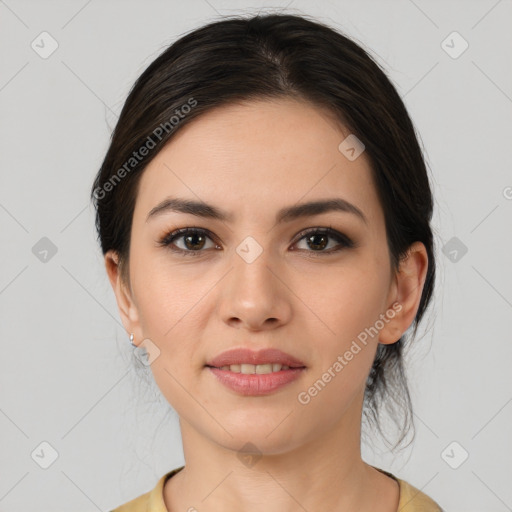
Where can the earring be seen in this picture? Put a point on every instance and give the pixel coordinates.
(131, 340)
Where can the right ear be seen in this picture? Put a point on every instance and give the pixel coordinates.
(125, 302)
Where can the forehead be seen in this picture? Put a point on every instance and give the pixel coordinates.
(255, 157)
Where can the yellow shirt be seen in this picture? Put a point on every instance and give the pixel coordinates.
(411, 499)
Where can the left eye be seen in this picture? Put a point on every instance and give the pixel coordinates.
(195, 239)
(319, 238)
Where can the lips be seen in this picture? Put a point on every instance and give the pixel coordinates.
(246, 356)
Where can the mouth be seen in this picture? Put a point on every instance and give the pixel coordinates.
(245, 380)
(256, 369)
(253, 373)
(244, 360)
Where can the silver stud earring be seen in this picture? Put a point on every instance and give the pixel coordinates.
(131, 340)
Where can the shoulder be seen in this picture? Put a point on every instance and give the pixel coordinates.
(139, 504)
(151, 501)
(413, 500)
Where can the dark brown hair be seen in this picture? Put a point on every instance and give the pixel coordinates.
(273, 56)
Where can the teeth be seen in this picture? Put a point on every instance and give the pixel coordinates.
(248, 369)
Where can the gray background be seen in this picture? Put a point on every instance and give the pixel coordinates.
(66, 371)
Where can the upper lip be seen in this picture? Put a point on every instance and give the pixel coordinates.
(263, 356)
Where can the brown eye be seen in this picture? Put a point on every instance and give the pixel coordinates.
(193, 241)
(318, 239)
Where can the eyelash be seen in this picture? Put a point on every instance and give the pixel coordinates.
(343, 240)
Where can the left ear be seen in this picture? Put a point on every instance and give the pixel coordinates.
(405, 294)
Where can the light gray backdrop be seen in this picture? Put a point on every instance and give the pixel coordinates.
(79, 428)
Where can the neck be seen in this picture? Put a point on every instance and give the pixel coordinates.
(325, 471)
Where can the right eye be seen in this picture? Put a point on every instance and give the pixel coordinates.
(193, 240)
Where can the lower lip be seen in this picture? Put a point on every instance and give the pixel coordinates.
(256, 384)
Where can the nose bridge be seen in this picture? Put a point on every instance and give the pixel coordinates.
(252, 261)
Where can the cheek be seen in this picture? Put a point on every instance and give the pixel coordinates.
(174, 308)
(344, 300)
(345, 342)
(167, 294)
(171, 314)
(348, 303)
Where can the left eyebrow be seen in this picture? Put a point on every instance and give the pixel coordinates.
(287, 214)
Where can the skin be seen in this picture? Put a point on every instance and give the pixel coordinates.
(252, 159)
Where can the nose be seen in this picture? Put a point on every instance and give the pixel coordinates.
(255, 295)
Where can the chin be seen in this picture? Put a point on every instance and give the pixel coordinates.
(267, 434)
(259, 444)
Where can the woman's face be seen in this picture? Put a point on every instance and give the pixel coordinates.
(255, 281)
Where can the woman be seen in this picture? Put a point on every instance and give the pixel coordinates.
(264, 212)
